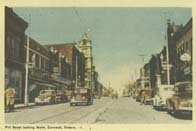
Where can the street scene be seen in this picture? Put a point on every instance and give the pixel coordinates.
(98, 65)
(103, 111)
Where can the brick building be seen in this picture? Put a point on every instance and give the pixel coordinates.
(184, 48)
(75, 59)
(14, 52)
(180, 42)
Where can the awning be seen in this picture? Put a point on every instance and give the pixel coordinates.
(45, 84)
(61, 80)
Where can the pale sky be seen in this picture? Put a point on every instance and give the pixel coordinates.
(119, 35)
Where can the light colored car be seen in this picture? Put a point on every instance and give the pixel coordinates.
(163, 92)
(181, 100)
(46, 97)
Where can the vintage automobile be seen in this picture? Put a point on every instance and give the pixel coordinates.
(181, 100)
(61, 96)
(162, 93)
(145, 96)
(46, 97)
(68, 94)
(81, 96)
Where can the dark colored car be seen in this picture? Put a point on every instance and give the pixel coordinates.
(81, 96)
(61, 96)
(181, 100)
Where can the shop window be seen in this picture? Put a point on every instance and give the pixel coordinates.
(14, 78)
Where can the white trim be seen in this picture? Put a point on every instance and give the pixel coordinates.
(36, 52)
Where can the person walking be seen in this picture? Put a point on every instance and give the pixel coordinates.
(9, 96)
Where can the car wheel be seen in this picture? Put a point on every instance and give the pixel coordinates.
(168, 107)
(52, 101)
(174, 109)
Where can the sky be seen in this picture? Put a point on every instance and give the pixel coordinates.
(120, 35)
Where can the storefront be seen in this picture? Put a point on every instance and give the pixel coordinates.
(13, 77)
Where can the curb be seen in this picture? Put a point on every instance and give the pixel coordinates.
(19, 106)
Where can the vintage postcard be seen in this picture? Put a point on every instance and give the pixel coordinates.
(97, 66)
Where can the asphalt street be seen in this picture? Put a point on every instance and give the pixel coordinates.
(106, 110)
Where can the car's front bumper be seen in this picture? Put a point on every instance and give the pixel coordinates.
(38, 101)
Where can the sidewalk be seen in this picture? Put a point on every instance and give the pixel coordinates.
(16, 106)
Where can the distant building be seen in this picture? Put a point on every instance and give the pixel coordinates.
(155, 71)
(145, 76)
(14, 52)
(171, 30)
(85, 46)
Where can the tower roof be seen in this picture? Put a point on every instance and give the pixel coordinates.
(85, 37)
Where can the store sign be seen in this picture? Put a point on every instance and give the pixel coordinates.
(56, 69)
(187, 70)
(185, 57)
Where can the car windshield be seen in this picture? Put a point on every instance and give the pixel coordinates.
(183, 88)
(45, 92)
(80, 91)
(168, 89)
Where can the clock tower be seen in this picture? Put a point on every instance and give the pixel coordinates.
(85, 47)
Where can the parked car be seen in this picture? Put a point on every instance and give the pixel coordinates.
(181, 100)
(145, 96)
(68, 94)
(81, 96)
(61, 96)
(46, 97)
(162, 93)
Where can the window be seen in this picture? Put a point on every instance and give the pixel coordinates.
(8, 45)
(17, 49)
(13, 47)
(37, 60)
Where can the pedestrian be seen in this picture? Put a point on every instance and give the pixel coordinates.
(9, 96)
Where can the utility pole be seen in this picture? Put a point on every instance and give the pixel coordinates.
(167, 50)
(168, 73)
(142, 56)
(26, 101)
(76, 70)
(26, 93)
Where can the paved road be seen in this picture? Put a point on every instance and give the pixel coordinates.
(58, 113)
(126, 111)
(103, 111)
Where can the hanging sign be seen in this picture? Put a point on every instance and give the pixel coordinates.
(185, 57)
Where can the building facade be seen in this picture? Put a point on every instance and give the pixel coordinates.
(85, 46)
(38, 74)
(179, 43)
(14, 52)
(184, 55)
(59, 69)
(75, 59)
